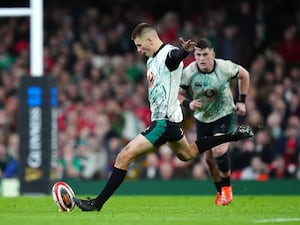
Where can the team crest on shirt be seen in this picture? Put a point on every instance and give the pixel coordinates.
(150, 77)
(209, 93)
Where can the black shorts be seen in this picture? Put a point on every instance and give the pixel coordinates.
(225, 124)
(161, 131)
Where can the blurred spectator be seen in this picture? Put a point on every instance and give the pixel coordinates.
(293, 103)
(181, 168)
(254, 119)
(290, 46)
(264, 146)
(279, 170)
(246, 20)
(232, 45)
(92, 159)
(166, 154)
(69, 162)
(6, 59)
(150, 169)
(274, 125)
(256, 171)
(288, 146)
(13, 145)
(166, 171)
(166, 162)
(8, 164)
(113, 145)
(168, 28)
(199, 172)
(241, 155)
(134, 68)
(102, 89)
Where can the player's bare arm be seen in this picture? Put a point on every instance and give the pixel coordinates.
(244, 82)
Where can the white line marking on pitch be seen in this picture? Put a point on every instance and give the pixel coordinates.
(277, 220)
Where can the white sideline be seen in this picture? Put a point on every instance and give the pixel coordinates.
(277, 220)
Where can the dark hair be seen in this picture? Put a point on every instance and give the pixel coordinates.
(139, 30)
(204, 43)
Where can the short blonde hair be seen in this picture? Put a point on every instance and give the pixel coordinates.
(141, 29)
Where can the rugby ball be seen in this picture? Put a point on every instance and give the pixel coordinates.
(63, 196)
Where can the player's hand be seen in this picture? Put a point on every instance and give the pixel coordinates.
(195, 104)
(188, 45)
(181, 97)
(240, 108)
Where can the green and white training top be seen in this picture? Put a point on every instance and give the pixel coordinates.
(164, 87)
(213, 89)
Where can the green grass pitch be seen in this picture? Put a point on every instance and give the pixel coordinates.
(151, 210)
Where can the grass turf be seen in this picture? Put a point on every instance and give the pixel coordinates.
(160, 210)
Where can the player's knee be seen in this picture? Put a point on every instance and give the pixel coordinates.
(218, 151)
(224, 163)
(123, 160)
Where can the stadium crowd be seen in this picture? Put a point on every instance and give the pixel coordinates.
(102, 86)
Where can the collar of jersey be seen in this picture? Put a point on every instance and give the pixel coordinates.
(155, 53)
(209, 71)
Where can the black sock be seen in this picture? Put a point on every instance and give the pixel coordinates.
(115, 180)
(207, 143)
(225, 181)
(218, 185)
(224, 162)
